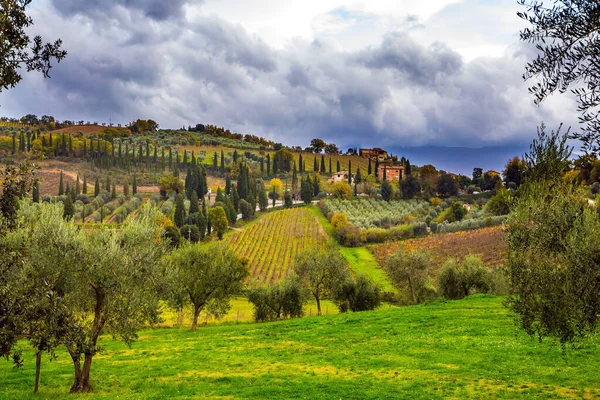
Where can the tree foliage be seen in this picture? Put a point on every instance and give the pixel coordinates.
(206, 276)
(18, 50)
(554, 247)
(566, 37)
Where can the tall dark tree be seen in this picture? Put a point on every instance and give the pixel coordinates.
(300, 164)
(322, 170)
(179, 216)
(97, 187)
(370, 169)
(61, 188)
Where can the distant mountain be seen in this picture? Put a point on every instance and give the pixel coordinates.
(460, 160)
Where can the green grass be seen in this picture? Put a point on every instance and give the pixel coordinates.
(362, 261)
(462, 349)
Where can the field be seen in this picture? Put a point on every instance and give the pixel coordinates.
(372, 213)
(271, 243)
(489, 243)
(453, 350)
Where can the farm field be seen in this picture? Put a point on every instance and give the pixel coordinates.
(372, 213)
(271, 243)
(457, 350)
(489, 243)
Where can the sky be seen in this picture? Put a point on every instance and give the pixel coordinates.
(386, 73)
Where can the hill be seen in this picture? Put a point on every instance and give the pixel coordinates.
(458, 350)
(87, 129)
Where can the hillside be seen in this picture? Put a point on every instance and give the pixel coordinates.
(457, 350)
(85, 129)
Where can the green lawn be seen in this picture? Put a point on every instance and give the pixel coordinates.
(461, 349)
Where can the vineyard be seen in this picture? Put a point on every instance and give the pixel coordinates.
(373, 213)
(489, 243)
(271, 243)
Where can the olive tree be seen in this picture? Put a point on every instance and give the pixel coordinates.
(321, 270)
(116, 287)
(409, 269)
(206, 276)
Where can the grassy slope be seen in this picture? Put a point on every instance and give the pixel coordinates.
(360, 259)
(462, 349)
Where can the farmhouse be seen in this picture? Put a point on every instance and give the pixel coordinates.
(374, 154)
(341, 176)
(392, 172)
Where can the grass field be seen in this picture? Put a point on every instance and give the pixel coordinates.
(271, 243)
(454, 350)
(489, 243)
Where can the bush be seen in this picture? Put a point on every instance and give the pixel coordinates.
(361, 294)
(339, 220)
(281, 300)
(459, 281)
(245, 210)
(190, 232)
(84, 198)
(500, 203)
(350, 236)
(287, 200)
(341, 190)
(173, 234)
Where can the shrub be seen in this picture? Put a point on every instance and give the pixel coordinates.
(281, 300)
(360, 294)
(341, 190)
(84, 198)
(190, 232)
(339, 220)
(457, 281)
(245, 209)
(350, 236)
(408, 272)
(500, 203)
(173, 234)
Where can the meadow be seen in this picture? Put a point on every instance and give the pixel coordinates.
(453, 350)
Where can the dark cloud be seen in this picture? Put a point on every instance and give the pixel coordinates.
(159, 10)
(417, 63)
(179, 72)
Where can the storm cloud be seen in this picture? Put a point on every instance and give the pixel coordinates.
(151, 59)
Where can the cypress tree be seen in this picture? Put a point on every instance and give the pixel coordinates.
(147, 151)
(84, 149)
(384, 173)
(97, 188)
(262, 165)
(228, 184)
(61, 189)
(14, 143)
(357, 177)
(330, 170)
(222, 162)
(322, 165)
(68, 210)
(70, 145)
(107, 184)
(155, 157)
(194, 204)
(134, 185)
(170, 158)
(316, 185)
(179, 215)
(185, 159)
(306, 190)
(28, 142)
(84, 190)
(113, 194)
(235, 197)
(377, 168)
(294, 179)
(349, 172)
(315, 165)
(68, 190)
(215, 161)
(370, 169)
(268, 164)
(36, 193)
(188, 184)
(50, 140)
(301, 163)
(77, 187)
(338, 168)
(407, 168)
(126, 188)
